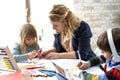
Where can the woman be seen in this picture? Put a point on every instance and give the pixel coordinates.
(72, 38)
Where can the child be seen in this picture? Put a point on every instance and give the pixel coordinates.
(109, 43)
(28, 47)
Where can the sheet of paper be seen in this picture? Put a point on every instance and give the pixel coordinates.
(69, 65)
(66, 63)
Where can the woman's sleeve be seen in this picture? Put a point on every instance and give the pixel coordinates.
(57, 44)
(84, 35)
(16, 51)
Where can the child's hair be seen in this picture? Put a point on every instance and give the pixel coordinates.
(105, 39)
(27, 31)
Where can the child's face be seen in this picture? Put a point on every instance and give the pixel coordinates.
(30, 41)
(107, 54)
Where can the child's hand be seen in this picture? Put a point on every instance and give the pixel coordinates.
(40, 53)
(83, 65)
(43, 54)
(32, 54)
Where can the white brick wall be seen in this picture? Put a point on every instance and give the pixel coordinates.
(99, 14)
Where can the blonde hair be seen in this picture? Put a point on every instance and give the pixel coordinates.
(27, 31)
(61, 13)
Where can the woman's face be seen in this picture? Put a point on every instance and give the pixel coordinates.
(107, 54)
(58, 26)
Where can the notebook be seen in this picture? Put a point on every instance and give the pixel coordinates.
(7, 61)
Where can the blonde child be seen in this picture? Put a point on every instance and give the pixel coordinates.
(109, 44)
(27, 48)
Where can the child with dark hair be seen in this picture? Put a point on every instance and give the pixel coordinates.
(109, 44)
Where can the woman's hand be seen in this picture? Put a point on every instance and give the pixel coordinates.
(83, 65)
(52, 55)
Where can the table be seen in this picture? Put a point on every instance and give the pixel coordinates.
(63, 63)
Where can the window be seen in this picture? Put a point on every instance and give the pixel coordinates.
(13, 16)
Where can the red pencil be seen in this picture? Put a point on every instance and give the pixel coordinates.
(35, 67)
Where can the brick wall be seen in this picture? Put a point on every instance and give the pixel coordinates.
(99, 14)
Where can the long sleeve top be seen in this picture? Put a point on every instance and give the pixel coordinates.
(18, 55)
(111, 70)
(80, 42)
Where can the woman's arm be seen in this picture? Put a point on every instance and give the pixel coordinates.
(83, 36)
(69, 55)
(56, 55)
